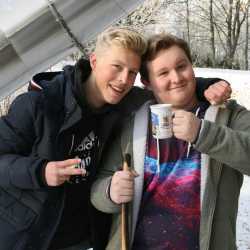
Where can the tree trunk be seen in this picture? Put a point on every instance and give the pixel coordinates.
(247, 36)
(229, 60)
(188, 22)
(212, 40)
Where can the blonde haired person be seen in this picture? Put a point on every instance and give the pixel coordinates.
(64, 122)
(186, 194)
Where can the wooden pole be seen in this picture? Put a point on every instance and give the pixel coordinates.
(124, 216)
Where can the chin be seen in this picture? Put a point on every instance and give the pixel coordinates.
(180, 104)
(114, 100)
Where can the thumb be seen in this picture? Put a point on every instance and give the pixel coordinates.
(135, 174)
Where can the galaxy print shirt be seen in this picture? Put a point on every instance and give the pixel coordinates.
(169, 216)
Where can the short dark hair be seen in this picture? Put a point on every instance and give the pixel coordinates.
(159, 42)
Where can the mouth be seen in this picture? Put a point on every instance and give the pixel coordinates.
(117, 89)
(178, 87)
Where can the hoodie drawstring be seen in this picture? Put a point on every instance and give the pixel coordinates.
(158, 156)
(190, 144)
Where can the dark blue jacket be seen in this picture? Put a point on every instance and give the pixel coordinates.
(29, 137)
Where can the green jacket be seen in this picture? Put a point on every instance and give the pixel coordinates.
(224, 142)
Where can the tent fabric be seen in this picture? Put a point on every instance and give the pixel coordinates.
(40, 41)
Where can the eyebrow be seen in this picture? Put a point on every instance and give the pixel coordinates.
(162, 70)
(182, 60)
(120, 62)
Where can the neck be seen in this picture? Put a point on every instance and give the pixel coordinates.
(188, 106)
(92, 94)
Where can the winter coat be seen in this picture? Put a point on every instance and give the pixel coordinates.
(224, 143)
(31, 134)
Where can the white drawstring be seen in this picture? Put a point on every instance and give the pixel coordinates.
(189, 144)
(158, 156)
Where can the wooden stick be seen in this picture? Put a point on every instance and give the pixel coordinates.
(124, 216)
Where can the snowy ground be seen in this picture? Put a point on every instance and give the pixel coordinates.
(243, 222)
(240, 82)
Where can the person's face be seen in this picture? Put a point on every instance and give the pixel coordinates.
(172, 79)
(114, 72)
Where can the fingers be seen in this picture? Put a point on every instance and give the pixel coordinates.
(68, 171)
(218, 92)
(180, 116)
(122, 186)
(67, 163)
(135, 174)
(222, 89)
(185, 125)
(179, 113)
(178, 123)
(56, 173)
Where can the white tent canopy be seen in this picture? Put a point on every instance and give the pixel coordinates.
(31, 38)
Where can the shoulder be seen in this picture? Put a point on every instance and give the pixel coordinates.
(26, 100)
(24, 109)
(233, 105)
(139, 91)
(135, 98)
(235, 109)
(239, 116)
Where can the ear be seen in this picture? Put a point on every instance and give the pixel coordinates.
(146, 83)
(92, 60)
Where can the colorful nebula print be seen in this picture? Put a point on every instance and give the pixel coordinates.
(169, 216)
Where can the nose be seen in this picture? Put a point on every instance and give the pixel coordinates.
(124, 76)
(175, 76)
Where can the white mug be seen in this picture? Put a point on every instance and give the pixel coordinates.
(161, 119)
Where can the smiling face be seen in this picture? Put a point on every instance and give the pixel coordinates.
(172, 79)
(113, 74)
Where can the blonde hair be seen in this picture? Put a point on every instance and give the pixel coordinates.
(123, 37)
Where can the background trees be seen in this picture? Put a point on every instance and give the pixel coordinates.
(217, 30)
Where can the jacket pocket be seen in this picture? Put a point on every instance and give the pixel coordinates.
(15, 212)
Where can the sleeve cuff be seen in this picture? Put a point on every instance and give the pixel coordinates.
(41, 175)
(199, 132)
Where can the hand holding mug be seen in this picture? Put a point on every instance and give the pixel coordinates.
(185, 125)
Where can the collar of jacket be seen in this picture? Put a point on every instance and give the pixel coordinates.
(59, 90)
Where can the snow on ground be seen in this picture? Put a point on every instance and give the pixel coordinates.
(243, 222)
(240, 82)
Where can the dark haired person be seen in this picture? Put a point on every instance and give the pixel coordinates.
(183, 191)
